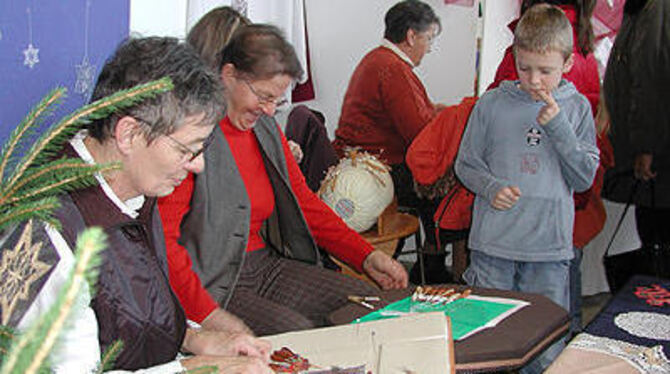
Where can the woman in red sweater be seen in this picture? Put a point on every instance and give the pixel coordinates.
(248, 226)
(590, 212)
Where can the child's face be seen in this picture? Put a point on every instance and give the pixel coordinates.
(540, 71)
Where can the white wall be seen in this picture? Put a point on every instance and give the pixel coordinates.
(496, 37)
(341, 32)
(158, 17)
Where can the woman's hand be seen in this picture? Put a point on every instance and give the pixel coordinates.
(385, 271)
(295, 150)
(642, 166)
(228, 365)
(220, 343)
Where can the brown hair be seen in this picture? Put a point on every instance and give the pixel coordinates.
(544, 28)
(213, 31)
(262, 52)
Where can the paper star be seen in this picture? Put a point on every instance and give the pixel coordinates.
(31, 56)
(85, 77)
(19, 269)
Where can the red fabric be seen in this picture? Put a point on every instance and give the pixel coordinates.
(460, 2)
(384, 108)
(590, 212)
(195, 300)
(329, 231)
(590, 219)
(305, 91)
(606, 20)
(433, 152)
(247, 154)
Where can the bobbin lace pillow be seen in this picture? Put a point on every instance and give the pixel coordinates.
(644, 359)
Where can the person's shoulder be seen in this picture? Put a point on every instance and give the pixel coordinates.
(571, 99)
(494, 96)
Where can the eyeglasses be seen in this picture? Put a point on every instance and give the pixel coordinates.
(265, 100)
(189, 154)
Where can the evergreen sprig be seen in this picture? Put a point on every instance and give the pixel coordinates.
(24, 129)
(39, 209)
(38, 174)
(29, 352)
(109, 356)
(29, 185)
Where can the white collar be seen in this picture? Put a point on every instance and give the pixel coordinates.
(388, 44)
(129, 207)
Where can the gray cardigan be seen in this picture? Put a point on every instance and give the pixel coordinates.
(216, 229)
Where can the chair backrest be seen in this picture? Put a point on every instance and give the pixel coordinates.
(307, 128)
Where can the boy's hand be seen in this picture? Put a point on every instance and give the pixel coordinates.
(549, 111)
(506, 197)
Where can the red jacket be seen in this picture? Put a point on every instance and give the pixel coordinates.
(432, 155)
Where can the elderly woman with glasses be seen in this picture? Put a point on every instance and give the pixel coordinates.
(156, 144)
(249, 226)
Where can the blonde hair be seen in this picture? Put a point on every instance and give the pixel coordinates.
(544, 28)
(213, 31)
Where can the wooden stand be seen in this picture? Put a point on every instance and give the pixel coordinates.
(391, 227)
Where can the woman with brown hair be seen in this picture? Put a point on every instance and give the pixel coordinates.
(249, 226)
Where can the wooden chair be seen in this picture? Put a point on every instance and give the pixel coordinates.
(388, 235)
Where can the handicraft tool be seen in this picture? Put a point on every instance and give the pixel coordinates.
(363, 301)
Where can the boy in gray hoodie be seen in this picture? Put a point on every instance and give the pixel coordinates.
(529, 144)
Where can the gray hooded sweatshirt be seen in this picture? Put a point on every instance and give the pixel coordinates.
(504, 145)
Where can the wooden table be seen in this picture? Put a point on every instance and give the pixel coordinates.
(508, 346)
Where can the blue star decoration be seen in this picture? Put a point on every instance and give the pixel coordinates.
(85, 77)
(31, 56)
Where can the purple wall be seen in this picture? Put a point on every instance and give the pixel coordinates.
(59, 33)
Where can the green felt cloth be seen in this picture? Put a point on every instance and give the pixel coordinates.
(467, 315)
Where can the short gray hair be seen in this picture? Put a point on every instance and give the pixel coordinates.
(197, 91)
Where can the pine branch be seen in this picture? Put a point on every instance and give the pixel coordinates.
(64, 129)
(18, 135)
(109, 356)
(39, 209)
(7, 334)
(55, 177)
(204, 370)
(33, 347)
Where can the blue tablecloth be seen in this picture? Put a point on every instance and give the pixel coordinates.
(640, 294)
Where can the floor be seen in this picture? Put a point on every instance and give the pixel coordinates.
(592, 305)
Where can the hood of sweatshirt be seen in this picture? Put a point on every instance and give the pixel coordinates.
(564, 90)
